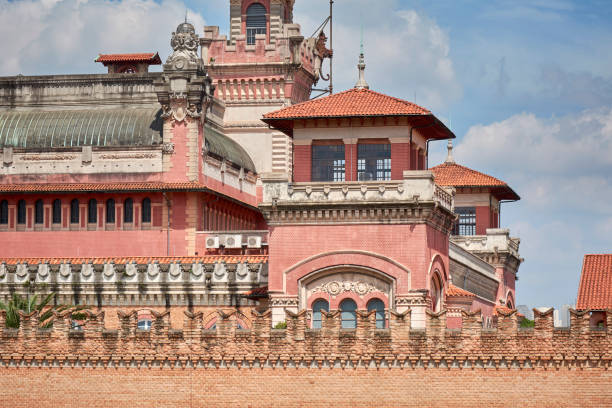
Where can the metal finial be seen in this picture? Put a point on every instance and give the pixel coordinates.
(361, 83)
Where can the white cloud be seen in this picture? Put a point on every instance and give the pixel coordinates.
(562, 168)
(407, 53)
(64, 36)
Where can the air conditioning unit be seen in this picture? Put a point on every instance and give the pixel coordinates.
(212, 242)
(233, 241)
(254, 242)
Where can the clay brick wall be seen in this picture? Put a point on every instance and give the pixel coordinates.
(261, 366)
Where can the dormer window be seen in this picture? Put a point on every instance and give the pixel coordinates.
(255, 22)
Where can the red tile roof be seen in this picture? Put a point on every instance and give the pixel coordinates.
(595, 291)
(456, 175)
(208, 259)
(455, 291)
(150, 57)
(260, 292)
(94, 187)
(354, 102)
(358, 103)
(503, 310)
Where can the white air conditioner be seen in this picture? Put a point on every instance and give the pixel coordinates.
(212, 242)
(233, 241)
(254, 242)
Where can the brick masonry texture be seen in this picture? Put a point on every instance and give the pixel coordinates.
(399, 366)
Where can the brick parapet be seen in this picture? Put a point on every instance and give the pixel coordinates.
(297, 346)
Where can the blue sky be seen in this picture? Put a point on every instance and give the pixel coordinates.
(525, 85)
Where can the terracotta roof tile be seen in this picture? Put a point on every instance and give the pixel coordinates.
(455, 291)
(150, 57)
(595, 291)
(456, 175)
(207, 259)
(259, 292)
(503, 310)
(351, 103)
(93, 187)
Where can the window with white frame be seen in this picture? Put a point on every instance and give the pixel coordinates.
(374, 161)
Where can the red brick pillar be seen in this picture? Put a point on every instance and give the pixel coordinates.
(400, 159)
(302, 162)
(350, 159)
(482, 220)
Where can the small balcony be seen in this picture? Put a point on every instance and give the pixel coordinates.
(416, 195)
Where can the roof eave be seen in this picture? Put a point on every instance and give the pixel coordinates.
(285, 125)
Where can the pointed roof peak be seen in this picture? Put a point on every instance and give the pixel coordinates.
(361, 83)
(449, 156)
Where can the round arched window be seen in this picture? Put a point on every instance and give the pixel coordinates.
(348, 314)
(379, 307)
(435, 292)
(317, 306)
(255, 22)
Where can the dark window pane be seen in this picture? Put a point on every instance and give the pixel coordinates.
(373, 162)
(128, 210)
(21, 212)
(74, 211)
(317, 306)
(328, 163)
(379, 306)
(4, 212)
(348, 314)
(466, 224)
(255, 22)
(57, 211)
(146, 210)
(92, 211)
(39, 216)
(110, 211)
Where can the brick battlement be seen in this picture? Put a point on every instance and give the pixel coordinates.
(297, 346)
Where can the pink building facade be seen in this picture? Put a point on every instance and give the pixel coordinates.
(218, 182)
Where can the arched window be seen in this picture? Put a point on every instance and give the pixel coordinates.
(436, 293)
(255, 21)
(128, 210)
(146, 210)
(21, 212)
(348, 314)
(57, 211)
(317, 306)
(110, 211)
(4, 212)
(74, 211)
(379, 307)
(510, 301)
(39, 216)
(92, 211)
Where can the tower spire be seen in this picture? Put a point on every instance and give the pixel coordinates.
(361, 83)
(449, 156)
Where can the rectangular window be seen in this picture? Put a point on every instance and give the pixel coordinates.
(328, 162)
(251, 32)
(466, 224)
(374, 161)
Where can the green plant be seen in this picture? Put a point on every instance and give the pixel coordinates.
(526, 323)
(29, 305)
(281, 325)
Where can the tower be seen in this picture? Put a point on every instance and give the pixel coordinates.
(265, 64)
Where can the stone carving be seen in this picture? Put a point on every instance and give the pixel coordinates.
(290, 302)
(128, 156)
(184, 42)
(334, 288)
(168, 148)
(47, 157)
